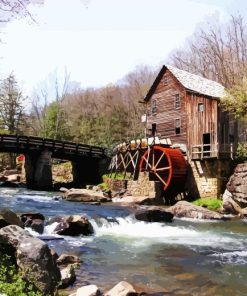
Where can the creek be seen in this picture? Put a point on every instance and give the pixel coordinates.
(186, 257)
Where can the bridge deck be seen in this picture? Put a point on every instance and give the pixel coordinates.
(59, 149)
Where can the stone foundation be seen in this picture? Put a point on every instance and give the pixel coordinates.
(207, 178)
(116, 185)
(140, 187)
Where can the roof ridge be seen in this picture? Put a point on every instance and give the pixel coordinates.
(193, 74)
(197, 83)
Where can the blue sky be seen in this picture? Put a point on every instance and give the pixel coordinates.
(100, 41)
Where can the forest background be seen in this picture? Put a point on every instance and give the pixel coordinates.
(108, 115)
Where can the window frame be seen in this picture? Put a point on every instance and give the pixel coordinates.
(199, 109)
(154, 107)
(177, 101)
(177, 128)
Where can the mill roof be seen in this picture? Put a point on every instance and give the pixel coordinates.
(191, 82)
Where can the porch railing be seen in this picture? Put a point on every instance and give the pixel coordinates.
(217, 150)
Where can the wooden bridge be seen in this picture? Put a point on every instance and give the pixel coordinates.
(87, 161)
(59, 149)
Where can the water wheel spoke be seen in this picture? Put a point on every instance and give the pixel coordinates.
(161, 156)
(153, 159)
(159, 177)
(123, 161)
(130, 160)
(147, 163)
(120, 160)
(147, 158)
(133, 158)
(162, 169)
(137, 156)
(115, 163)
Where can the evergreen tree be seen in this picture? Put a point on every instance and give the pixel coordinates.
(12, 104)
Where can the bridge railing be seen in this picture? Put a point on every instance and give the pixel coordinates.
(27, 142)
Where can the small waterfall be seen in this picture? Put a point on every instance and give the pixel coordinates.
(130, 228)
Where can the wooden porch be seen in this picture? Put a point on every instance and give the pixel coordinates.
(218, 150)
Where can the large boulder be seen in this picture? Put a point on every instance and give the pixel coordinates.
(184, 209)
(138, 200)
(89, 290)
(122, 289)
(35, 221)
(7, 217)
(72, 225)
(237, 185)
(229, 205)
(68, 276)
(65, 259)
(9, 184)
(85, 195)
(154, 214)
(33, 258)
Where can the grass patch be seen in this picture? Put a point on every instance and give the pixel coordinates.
(209, 203)
(118, 176)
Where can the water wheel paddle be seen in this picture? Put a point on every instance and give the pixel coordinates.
(164, 164)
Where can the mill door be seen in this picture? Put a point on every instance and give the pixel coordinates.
(206, 144)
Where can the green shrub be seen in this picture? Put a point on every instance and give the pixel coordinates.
(241, 154)
(209, 203)
(103, 186)
(11, 282)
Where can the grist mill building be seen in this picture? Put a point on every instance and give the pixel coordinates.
(186, 109)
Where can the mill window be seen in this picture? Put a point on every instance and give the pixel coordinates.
(200, 107)
(177, 126)
(177, 101)
(154, 107)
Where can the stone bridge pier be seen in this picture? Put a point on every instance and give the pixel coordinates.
(85, 170)
(38, 169)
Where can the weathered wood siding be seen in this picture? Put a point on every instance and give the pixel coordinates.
(201, 121)
(164, 95)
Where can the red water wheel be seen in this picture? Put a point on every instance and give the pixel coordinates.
(166, 165)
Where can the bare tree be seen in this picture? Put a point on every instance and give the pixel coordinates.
(10, 9)
(218, 53)
(48, 117)
(37, 118)
(60, 95)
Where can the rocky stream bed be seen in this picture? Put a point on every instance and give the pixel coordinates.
(181, 250)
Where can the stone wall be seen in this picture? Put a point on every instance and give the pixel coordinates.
(142, 186)
(116, 185)
(207, 178)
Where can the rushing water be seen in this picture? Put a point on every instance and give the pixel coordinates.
(181, 258)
